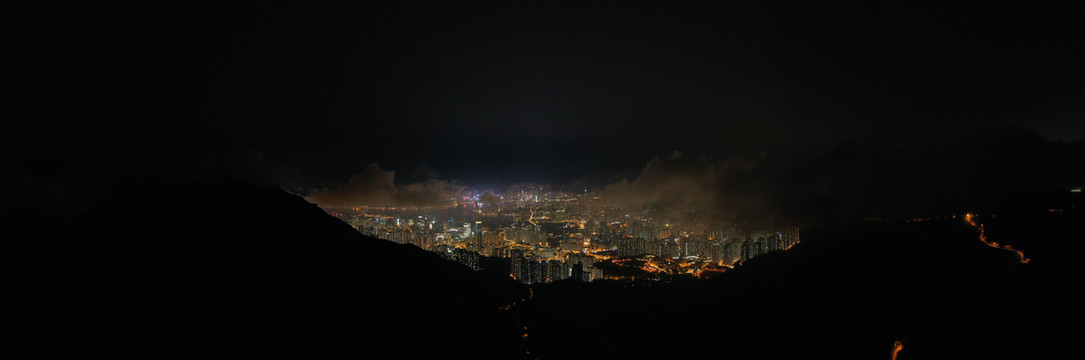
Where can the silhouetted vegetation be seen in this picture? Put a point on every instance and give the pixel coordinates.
(847, 291)
(233, 271)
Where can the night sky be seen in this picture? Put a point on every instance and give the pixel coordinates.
(308, 95)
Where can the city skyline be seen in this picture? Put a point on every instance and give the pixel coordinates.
(565, 233)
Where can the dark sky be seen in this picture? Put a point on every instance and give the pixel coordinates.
(515, 91)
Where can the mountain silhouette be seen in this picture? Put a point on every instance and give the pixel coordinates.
(848, 291)
(231, 270)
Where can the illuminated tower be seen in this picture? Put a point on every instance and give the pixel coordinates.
(790, 236)
(478, 236)
(536, 272)
(553, 270)
(517, 264)
(774, 242)
(729, 253)
(746, 251)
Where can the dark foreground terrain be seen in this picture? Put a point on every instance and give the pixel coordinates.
(227, 270)
(845, 292)
(234, 271)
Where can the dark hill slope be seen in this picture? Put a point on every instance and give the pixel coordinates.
(846, 292)
(228, 270)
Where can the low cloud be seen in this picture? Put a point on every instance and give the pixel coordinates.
(680, 186)
(991, 170)
(374, 186)
(676, 182)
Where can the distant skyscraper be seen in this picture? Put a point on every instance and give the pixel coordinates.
(790, 236)
(730, 253)
(553, 270)
(536, 270)
(478, 236)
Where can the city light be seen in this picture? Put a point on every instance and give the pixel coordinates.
(549, 235)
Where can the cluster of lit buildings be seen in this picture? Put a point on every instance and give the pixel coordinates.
(524, 266)
(549, 236)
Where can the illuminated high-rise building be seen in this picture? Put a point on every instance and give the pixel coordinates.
(774, 242)
(554, 270)
(578, 271)
(517, 264)
(730, 253)
(790, 236)
(478, 236)
(691, 247)
(536, 271)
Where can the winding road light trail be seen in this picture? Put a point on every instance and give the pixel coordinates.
(897, 346)
(972, 221)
